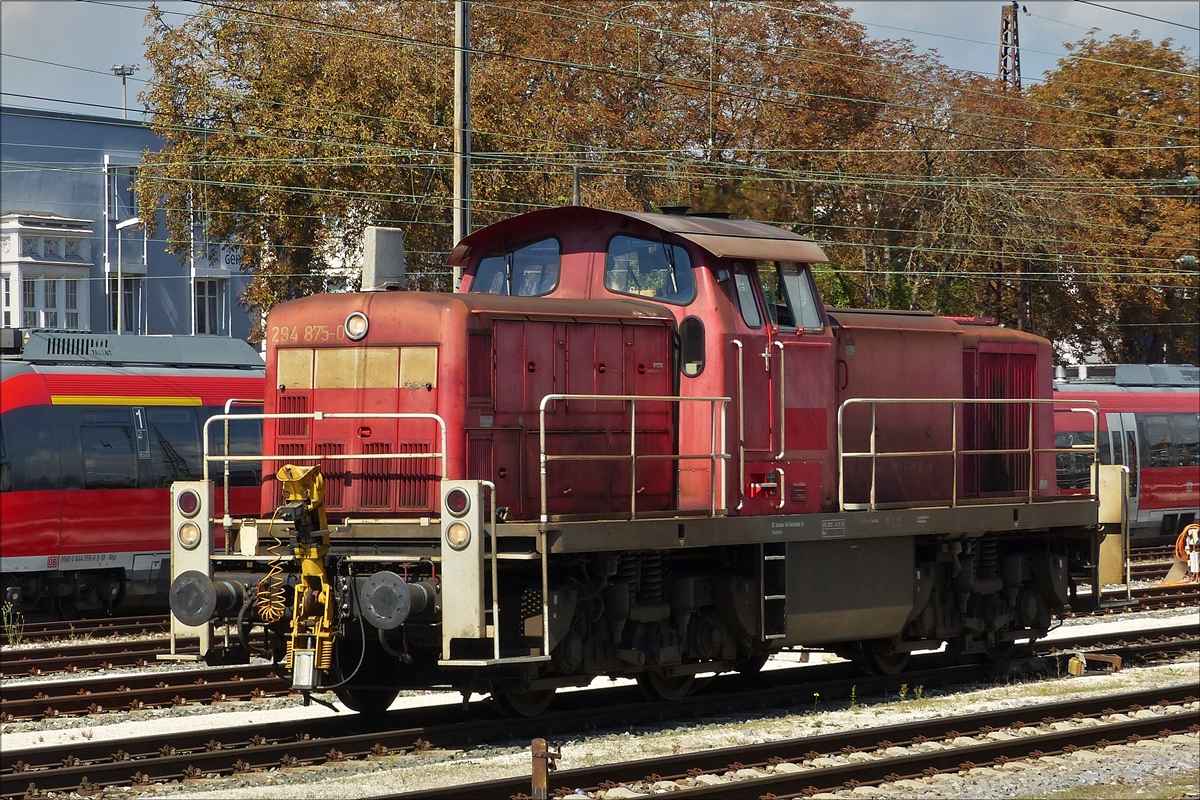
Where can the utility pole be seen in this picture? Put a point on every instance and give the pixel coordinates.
(123, 71)
(462, 125)
(1010, 48)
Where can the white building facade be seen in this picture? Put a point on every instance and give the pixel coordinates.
(74, 249)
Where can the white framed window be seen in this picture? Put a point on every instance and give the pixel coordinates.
(131, 305)
(50, 306)
(7, 286)
(210, 305)
(29, 304)
(122, 187)
(71, 303)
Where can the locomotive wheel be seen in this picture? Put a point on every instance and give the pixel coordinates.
(529, 703)
(880, 658)
(999, 653)
(753, 663)
(366, 700)
(657, 686)
(67, 608)
(364, 691)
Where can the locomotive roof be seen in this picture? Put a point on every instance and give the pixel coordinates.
(66, 348)
(883, 319)
(607, 309)
(724, 238)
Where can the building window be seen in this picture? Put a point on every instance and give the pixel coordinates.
(50, 309)
(131, 305)
(29, 302)
(71, 294)
(209, 297)
(122, 183)
(7, 302)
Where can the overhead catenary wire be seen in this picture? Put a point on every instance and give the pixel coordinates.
(693, 174)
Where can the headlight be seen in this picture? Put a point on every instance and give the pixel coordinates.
(458, 502)
(356, 325)
(188, 503)
(458, 536)
(189, 535)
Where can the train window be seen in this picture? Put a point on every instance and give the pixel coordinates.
(1187, 438)
(1074, 469)
(790, 295)
(647, 268)
(109, 449)
(245, 439)
(745, 295)
(1159, 447)
(174, 445)
(691, 347)
(31, 444)
(528, 271)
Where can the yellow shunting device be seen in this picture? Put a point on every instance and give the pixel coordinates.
(310, 647)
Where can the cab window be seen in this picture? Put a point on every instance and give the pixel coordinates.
(743, 284)
(528, 271)
(647, 268)
(790, 296)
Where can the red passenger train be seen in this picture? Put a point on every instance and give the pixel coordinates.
(1150, 423)
(634, 444)
(93, 431)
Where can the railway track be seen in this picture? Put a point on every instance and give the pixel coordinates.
(884, 754)
(100, 628)
(255, 747)
(1164, 552)
(1145, 598)
(43, 699)
(84, 656)
(38, 700)
(1149, 570)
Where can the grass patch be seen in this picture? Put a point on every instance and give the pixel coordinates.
(1167, 787)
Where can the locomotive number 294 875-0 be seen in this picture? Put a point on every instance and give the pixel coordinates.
(282, 334)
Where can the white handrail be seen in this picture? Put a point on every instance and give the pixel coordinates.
(318, 416)
(1089, 407)
(227, 521)
(713, 457)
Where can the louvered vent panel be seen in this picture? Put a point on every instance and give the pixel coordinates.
(378, 476)
(479, 368)
(73, 346)
(479, 459)
(293, 404)
(334, 472)
(415, 477)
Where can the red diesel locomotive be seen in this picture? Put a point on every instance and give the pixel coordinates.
(1150, 423)
(93, 431)
(634, 444)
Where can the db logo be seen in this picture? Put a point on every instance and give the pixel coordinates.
(51, 562)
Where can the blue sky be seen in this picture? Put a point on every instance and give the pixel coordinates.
(95, 34)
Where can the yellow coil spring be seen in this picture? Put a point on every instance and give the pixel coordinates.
(325, 655)
(271, 602)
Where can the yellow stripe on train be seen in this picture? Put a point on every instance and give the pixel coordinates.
(112, 400)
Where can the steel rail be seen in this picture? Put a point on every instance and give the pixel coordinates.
(84, 656)
(41, 699)
(230, 751)
(857, 740)
(104, 626)
(148, 758)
